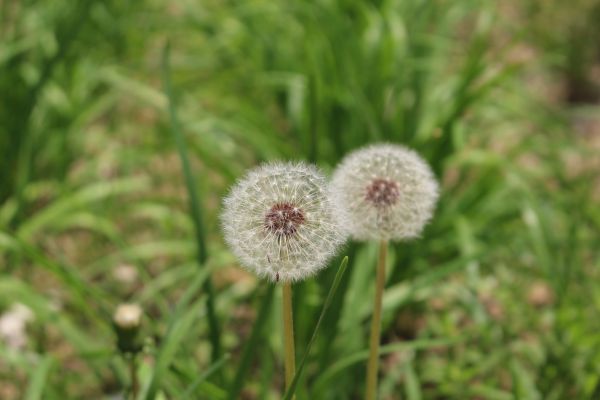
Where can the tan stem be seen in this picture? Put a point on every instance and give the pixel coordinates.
(373, 365)
(288, 335)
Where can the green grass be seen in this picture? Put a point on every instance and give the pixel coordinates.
(116, 154)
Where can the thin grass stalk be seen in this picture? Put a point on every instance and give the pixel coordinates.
(203, 376)
(135, 385)
(196, 211)
(334, 286)
(288, 335)
(73, 24)
(373, 364)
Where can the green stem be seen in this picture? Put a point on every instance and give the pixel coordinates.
(288, 334)
(134, 378)
(195, 207)
(373, 364)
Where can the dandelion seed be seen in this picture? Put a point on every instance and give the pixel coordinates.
(279, 221)
(385, 192)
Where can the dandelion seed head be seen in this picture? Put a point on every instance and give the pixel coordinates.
(279, 221)
(284, 219)
(384, 192)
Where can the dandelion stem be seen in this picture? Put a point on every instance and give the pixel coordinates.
(288, 334)
(373, 365)
(134, 378)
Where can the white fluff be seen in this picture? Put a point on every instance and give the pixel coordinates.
(13, 326)
(279, 221)
(384, 192)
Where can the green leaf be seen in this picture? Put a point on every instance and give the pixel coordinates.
(177, 333)
(413, 386)
(523, 383)
(195, 207)
(84, 197)
(202, 377)
(35, 389)
(329, 374)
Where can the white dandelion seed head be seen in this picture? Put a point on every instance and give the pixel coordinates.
(384, 192)
(279, 221)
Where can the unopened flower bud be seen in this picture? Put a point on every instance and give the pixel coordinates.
(127, 320)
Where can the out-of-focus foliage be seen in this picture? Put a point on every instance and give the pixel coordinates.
(499, 298)
(569, 36)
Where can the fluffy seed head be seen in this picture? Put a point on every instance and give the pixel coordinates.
(384, 192)
(279, 221)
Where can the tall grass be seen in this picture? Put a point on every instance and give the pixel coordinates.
(91, 184)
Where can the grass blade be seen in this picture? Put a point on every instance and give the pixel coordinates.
(361, 356)
(82, 199)
(203, 376)
(413, 385)
(39, 378)
(14, 290)
(180, 322)
(195, 209)
(176, 335)
(78, 287)
(336, 282)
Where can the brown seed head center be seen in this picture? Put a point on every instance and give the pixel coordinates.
(382, 192)
(284, 219)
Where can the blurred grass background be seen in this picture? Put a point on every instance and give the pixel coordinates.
(498, 300)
